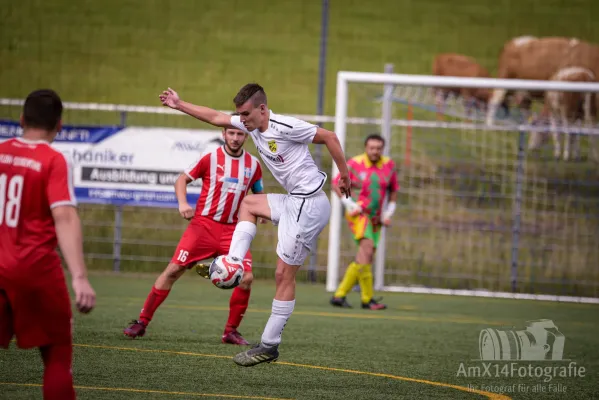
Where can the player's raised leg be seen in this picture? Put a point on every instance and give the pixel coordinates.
(252, 207)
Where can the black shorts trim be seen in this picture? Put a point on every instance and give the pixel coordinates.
(315, 190)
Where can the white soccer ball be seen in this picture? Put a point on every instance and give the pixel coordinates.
(224, 273)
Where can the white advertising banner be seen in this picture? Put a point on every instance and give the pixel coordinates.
(128, 165)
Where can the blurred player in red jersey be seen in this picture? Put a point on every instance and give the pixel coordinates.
(227, 174)
(37, 212)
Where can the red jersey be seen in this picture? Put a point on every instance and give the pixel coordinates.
(226, 180)
(34, 178)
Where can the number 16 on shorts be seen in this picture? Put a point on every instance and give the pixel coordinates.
(182, 256)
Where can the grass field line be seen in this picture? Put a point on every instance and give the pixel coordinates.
(489, 395)
(457, 320)
(454, 319)
(133, 390)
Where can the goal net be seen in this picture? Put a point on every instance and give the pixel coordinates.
(483, 209)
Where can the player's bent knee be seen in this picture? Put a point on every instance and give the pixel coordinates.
(174, 271)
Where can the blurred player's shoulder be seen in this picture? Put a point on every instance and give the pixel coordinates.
(387, 161)
(38, 150)
(357, 160)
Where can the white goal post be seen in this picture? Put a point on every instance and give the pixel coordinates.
(345, 78)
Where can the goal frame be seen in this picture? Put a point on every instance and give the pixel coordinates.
(390, 80)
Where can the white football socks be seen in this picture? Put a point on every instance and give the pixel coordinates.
(281, 311)
(242, 238)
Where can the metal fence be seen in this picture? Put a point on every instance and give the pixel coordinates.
(477, 209)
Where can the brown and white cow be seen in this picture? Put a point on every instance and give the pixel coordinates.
(529, 57)
(566, 108)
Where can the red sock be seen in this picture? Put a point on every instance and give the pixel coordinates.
(58, 376)
(154, 300)
(237, 306)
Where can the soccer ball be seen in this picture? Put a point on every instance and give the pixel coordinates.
(225, 274)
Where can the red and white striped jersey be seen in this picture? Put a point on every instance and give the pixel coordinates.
(34, 178)
(226, 180)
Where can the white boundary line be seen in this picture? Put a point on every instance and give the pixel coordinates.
(490, 294)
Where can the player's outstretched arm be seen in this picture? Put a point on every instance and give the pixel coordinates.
(330, 140)
(68, 232)
(181, 192)
(171, 99)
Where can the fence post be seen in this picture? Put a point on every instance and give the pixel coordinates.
(123, 118)
(517, 209)
(322, 71)
(386, 115)
(322, 67)
(116, 243)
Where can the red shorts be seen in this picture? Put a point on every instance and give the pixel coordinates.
(36, 310)
(205, 238)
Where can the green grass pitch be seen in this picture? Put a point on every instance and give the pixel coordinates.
(412, 350)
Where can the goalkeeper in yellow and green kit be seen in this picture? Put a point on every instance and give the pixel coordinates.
(372, 176)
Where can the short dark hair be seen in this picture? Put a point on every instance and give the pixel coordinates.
(42, 109)
(250, 91)
(374, 136)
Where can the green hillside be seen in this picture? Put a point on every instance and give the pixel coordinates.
(127, 51)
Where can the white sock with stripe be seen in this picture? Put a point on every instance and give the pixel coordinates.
(281, 311)
(242, 239)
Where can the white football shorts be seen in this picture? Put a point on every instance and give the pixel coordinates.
(300, 221)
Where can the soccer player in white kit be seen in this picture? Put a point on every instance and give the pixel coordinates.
(301, 214)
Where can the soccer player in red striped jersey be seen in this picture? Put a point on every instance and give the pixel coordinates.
(37, 212)
(227, 174)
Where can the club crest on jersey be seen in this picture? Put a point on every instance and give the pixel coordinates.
(272, 146)
(247, 172)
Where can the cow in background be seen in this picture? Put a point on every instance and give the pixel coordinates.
(528, 57)
(567, 108)
(459, 65)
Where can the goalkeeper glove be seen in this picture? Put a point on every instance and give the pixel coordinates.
(388, 213)
(352, 207)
